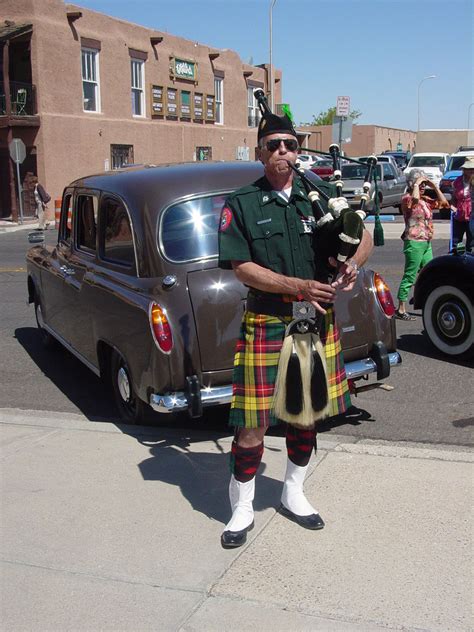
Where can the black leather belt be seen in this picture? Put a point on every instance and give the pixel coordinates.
(268, 306)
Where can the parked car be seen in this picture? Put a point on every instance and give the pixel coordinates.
(323, 168)
(133, 288)
(444, 291)
(432, 163)
(401, 157)
(453, 170)
(390, 183)
(306, 160)
(382, 158)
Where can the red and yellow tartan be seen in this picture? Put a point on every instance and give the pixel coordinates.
(256, 364)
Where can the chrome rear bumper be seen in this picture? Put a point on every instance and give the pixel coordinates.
(174, 402)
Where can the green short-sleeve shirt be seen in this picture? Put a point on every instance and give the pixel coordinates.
(258, 225)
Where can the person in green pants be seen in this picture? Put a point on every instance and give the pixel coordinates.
(418, 204)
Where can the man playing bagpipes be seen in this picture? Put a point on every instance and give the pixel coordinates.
(266, 236)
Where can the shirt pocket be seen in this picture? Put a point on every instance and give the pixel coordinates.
(268, 242)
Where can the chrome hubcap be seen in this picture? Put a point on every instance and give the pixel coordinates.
(451, 320)
(123, 384)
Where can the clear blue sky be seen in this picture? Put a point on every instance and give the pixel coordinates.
(375, 51)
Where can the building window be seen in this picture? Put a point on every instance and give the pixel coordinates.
(90, 80)
(252, 108)
(138, 81)
(121, 156)
(219, 93)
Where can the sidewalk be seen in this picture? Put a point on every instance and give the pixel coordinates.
(112, 527)
(8, 226)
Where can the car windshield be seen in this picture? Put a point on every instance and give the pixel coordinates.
(357, 172)
(427, 161)
(189, 229)
(456, 163)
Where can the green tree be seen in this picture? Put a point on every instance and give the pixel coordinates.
(326, 117)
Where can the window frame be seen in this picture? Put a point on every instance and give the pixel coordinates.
(139, 89)
(95, 200)
(96, 82)
(159, 228)
(253, 111)
(218, 102)
(126, 268)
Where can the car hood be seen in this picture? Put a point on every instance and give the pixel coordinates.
(452, 175)
(355, 184)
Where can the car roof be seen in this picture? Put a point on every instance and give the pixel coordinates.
(430, 153)
(157, 186)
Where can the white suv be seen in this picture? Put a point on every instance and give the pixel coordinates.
(306, 160)
(432, 163)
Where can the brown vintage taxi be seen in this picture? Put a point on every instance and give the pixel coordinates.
(133, 289)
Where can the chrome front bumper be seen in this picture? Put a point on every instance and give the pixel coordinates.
(174, 402)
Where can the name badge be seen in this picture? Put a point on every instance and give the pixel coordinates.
(264, 221)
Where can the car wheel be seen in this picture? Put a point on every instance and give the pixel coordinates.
(448, 318)
(131, 408)
(47, 339)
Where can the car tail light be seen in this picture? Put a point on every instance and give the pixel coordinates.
(445, 182)
(384, 296)
(160, 328)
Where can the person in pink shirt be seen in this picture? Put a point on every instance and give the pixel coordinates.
(417, 208)
(461, 205)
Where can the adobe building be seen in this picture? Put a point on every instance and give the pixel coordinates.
(86, 92)
(366, 139)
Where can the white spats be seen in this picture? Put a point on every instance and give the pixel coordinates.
(292, 496)
(241, 497)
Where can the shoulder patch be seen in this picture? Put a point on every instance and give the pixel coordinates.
(226, 219)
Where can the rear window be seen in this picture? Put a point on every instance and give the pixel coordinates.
(188, 230)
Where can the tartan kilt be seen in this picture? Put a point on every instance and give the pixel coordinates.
(256, 364)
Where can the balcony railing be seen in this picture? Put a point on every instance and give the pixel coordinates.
(22, 99)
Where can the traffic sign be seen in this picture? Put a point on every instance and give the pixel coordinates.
(343, 106)
(17, 150)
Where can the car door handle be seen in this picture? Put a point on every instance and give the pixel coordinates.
(68, 271)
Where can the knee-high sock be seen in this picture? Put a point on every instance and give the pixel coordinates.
(300, 443)
(244, 462)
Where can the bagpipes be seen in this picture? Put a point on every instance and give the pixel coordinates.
(301, 394)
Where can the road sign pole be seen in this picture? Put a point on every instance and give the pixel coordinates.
(20, 191)
(340, 132)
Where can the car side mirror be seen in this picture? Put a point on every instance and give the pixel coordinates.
(36, 237)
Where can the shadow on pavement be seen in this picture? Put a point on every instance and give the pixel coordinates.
(420, 345)
(84, 389)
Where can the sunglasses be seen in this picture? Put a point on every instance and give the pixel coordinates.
(291, 144)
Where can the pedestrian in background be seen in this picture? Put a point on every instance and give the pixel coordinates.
(461, 205)
(41, 199)
(417, 209)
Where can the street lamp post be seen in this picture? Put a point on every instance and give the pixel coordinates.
(419, 85)
(272, 4)
(469, 115)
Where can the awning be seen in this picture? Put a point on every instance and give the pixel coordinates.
(10, 30)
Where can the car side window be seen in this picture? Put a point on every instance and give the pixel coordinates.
(387, 171)
(66, 218)
(116, 233)
(86, 222)
(188, 230)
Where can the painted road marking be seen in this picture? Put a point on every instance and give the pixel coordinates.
(12, 269)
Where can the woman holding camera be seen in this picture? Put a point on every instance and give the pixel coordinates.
(418, 204)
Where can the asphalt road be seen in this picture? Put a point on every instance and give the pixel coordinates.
(429, 400)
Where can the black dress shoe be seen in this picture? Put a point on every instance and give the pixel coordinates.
(234, 539)
(313, 521)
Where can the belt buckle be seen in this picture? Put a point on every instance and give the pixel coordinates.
(303, 310)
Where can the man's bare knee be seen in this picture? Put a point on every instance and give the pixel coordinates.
(250, 437)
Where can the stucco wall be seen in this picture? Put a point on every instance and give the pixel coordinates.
(71, 143)
(366, 139)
